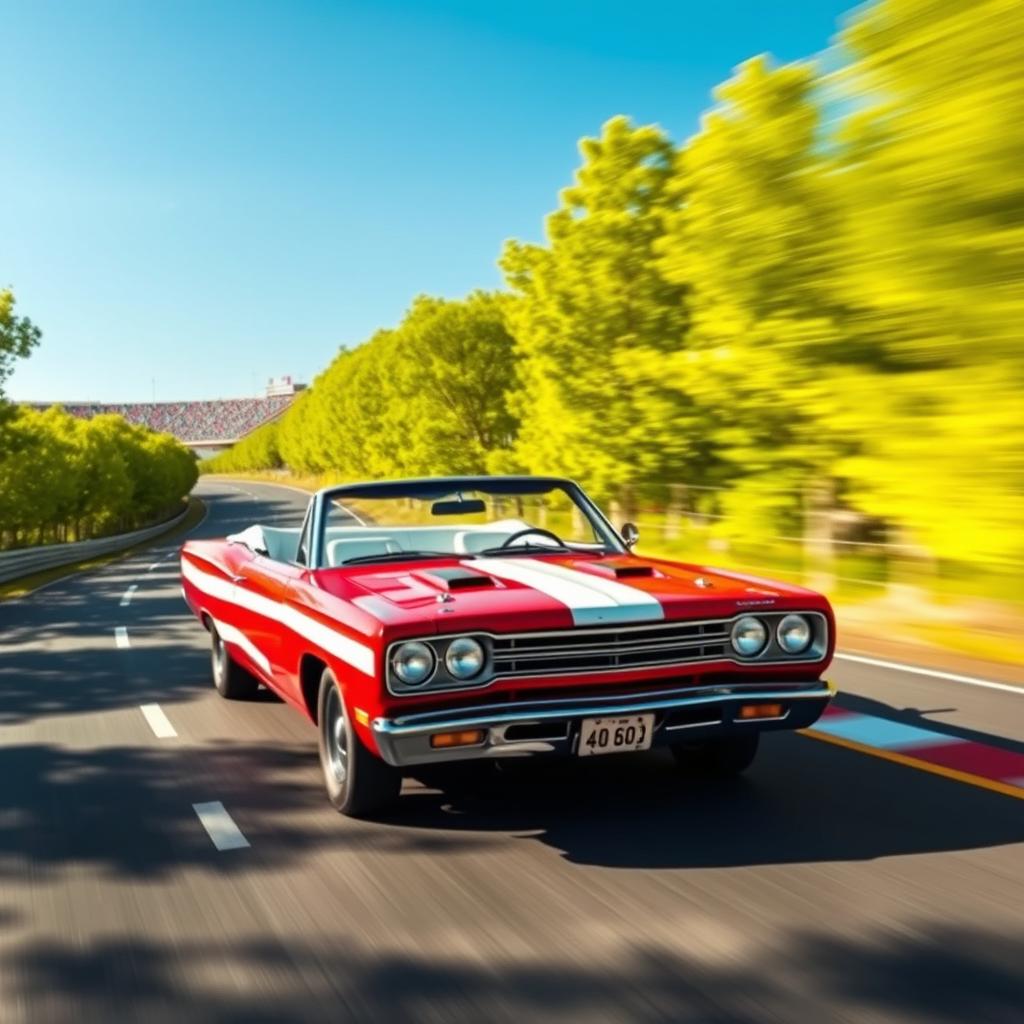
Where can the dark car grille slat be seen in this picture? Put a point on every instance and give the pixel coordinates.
(529, 653)
(545, 654)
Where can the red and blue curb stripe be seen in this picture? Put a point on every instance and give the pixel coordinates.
(955, 757)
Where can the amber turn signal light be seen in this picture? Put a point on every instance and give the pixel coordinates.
(748, 711)
(466, 738)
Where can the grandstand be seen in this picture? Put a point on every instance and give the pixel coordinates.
(207, 427)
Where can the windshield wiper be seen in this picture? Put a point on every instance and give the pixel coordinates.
(528, 549)
(401, 556)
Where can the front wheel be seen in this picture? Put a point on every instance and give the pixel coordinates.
(231, 680)
(358, 783)
(730, 755)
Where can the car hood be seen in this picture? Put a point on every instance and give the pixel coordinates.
(506, 594)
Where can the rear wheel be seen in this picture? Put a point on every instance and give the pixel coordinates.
(358, 782)
(729, 755)
(231, 680)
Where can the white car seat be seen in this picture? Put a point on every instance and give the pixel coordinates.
(341, 550)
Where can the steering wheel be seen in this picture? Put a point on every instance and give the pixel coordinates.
(540, 531)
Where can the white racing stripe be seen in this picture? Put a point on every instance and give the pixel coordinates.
(350, 651)
(121, 636)
(128, 594)
(591, 600)
(949, 676)
(226, 835)
(158, 721)
(232, 635)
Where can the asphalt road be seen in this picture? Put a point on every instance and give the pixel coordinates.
(828, 885)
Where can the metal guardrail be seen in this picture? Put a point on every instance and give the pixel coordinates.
(26, 561)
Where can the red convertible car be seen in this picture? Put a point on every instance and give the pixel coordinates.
(418, 621)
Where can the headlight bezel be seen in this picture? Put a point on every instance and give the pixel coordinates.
(393, 663)
(463, 640)
(441, 679)
(766, 635)
(804, 621)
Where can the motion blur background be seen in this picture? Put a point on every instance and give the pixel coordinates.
(791, 342)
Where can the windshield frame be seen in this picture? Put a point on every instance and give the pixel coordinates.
(432, 488)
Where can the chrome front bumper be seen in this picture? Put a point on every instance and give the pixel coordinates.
(552, 726)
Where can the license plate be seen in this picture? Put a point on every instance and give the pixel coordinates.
(614, 735)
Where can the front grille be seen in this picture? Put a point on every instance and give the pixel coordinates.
(588, 650)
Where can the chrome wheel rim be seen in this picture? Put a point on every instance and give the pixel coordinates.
(336, 737)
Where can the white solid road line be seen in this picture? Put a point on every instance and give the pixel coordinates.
(121, 636)
(949, 676)
(158, 721)
(226, 835)
(127, 599)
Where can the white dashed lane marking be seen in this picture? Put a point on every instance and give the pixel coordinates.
(121, 636)
(226, 835)
(127, 599)
(158, 721)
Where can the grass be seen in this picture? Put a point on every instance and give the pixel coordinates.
(27, 584)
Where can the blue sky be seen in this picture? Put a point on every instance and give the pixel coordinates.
(200, 195)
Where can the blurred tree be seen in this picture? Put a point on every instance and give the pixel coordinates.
(753, 241)
(801, 314)
(599, 330)
(426, 397)
(933, 256)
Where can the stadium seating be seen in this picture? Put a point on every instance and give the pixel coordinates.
(222, 420)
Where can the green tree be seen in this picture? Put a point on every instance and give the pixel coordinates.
(427, 397)
(452, 364)
(599, 330)
(18, 336)
(933, 257)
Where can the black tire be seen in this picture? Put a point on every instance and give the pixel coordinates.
(358, 783)
(231, 680)
(721, 758)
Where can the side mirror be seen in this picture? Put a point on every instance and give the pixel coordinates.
(630, 534)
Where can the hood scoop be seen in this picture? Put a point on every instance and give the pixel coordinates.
(458, 578)
(621, 572)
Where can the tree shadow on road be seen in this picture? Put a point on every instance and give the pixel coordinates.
(803, 801)
(127, 811)
(930, 973)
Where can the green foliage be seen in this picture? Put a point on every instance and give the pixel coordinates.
(599, 328)
(64, 478)
(933, 258)
(18, 336)
(425, 398)
(809, 312)
(260, 449)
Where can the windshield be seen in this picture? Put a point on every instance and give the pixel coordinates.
(427, 520)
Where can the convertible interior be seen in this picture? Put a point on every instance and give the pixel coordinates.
(343, 543)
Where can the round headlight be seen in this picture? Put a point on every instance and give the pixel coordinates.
(464, 658)
(413, 662)
(794, 634)
(749, 636)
